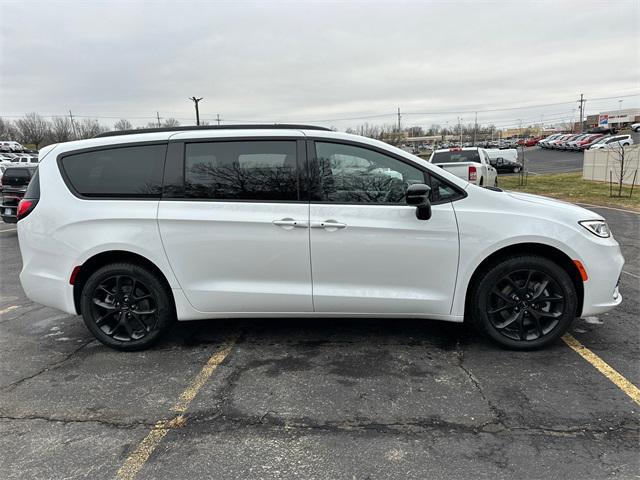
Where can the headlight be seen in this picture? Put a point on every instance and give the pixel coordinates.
(597, 227)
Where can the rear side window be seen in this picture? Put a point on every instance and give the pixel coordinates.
(253, 170)
(456, 156)
(22, 173)
(126, 172)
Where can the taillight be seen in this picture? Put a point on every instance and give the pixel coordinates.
(25, 207)
(473, 174)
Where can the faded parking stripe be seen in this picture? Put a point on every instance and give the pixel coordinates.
(146, 447)
(8, 309)
(621, 382)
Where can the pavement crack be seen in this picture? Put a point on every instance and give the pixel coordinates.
(65, 420)
(52, 366)
(497, 413)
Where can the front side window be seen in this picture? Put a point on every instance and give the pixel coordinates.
(350, 174)
(250, 170)
(125, 172)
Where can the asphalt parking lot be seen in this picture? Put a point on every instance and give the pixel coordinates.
(322, 399)
(539, 160)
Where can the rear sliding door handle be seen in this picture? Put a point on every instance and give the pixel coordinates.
(289, 223)
(328, 225)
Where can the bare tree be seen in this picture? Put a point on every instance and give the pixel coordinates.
(32, 129)
(7, 130)
(61, 130)
(620, 159)
(89, 128)
(123, 124)
(170, 123)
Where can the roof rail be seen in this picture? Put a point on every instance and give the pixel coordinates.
(276, 126)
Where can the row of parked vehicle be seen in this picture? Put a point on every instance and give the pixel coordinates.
(17, 165)
(585, 141)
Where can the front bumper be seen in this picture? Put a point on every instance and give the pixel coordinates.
(601, 292)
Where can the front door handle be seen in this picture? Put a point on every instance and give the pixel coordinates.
(290, 223)
(330, 225)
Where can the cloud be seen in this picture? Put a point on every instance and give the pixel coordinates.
(292, 61)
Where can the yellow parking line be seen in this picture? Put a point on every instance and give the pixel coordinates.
(622, 383)
(8, 309)
(146, 447)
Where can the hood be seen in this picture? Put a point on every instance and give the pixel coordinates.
(559, 208)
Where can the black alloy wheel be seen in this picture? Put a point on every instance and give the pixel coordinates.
(525, 305)
(124, 308)
(127, 306)
(523, 302)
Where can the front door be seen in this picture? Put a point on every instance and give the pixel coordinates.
(237, 236)
(369, 252)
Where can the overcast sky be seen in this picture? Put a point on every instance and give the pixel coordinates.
(318, 61)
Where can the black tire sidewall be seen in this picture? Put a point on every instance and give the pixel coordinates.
(166, 314)
(498, 271)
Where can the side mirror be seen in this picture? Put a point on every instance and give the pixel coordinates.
(418, 195)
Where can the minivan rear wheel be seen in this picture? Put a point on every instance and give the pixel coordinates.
(126, 306)
(524, 303)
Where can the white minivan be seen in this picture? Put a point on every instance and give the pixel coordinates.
(133, 230)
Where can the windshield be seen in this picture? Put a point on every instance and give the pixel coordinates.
(456, 156)
(602, 140)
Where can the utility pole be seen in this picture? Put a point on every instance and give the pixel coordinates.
(460, 131)
(73, 125)
(581, 102)
(195, 101)
(475, 130)
(218, 118)
(399, 116)
(619, 114)
(158, 116)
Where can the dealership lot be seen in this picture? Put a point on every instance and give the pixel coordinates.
(315, 398)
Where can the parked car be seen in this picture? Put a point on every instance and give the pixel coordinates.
(567, 144)
(545, 142)
(635, 127)
(25, 159)
(471, 164)
(586, 140)
(10, 146)
(505, 165)
(613, 141)
(556, 144)
(14, 185)
(134, 230)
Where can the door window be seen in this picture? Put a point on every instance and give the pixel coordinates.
(254, 170)
(350, 174)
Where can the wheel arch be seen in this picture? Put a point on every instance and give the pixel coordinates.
(530, 248)
(113, 256)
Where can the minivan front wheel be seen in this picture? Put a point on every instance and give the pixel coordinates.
(524, 303)
(126, 306)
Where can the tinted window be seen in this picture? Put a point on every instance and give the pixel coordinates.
(442, 191)
(253, 170)
(117, 172)
(33, 190)
(456, 156)
(350, 174)
(18, 173)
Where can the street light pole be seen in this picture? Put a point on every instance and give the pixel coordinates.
(196, 101)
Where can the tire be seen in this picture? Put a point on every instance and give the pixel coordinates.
(501, 310)
(625, 144)
(481, 183)
(516, 169)
(111, 312)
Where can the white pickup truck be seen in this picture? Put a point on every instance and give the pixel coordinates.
(471, 164)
